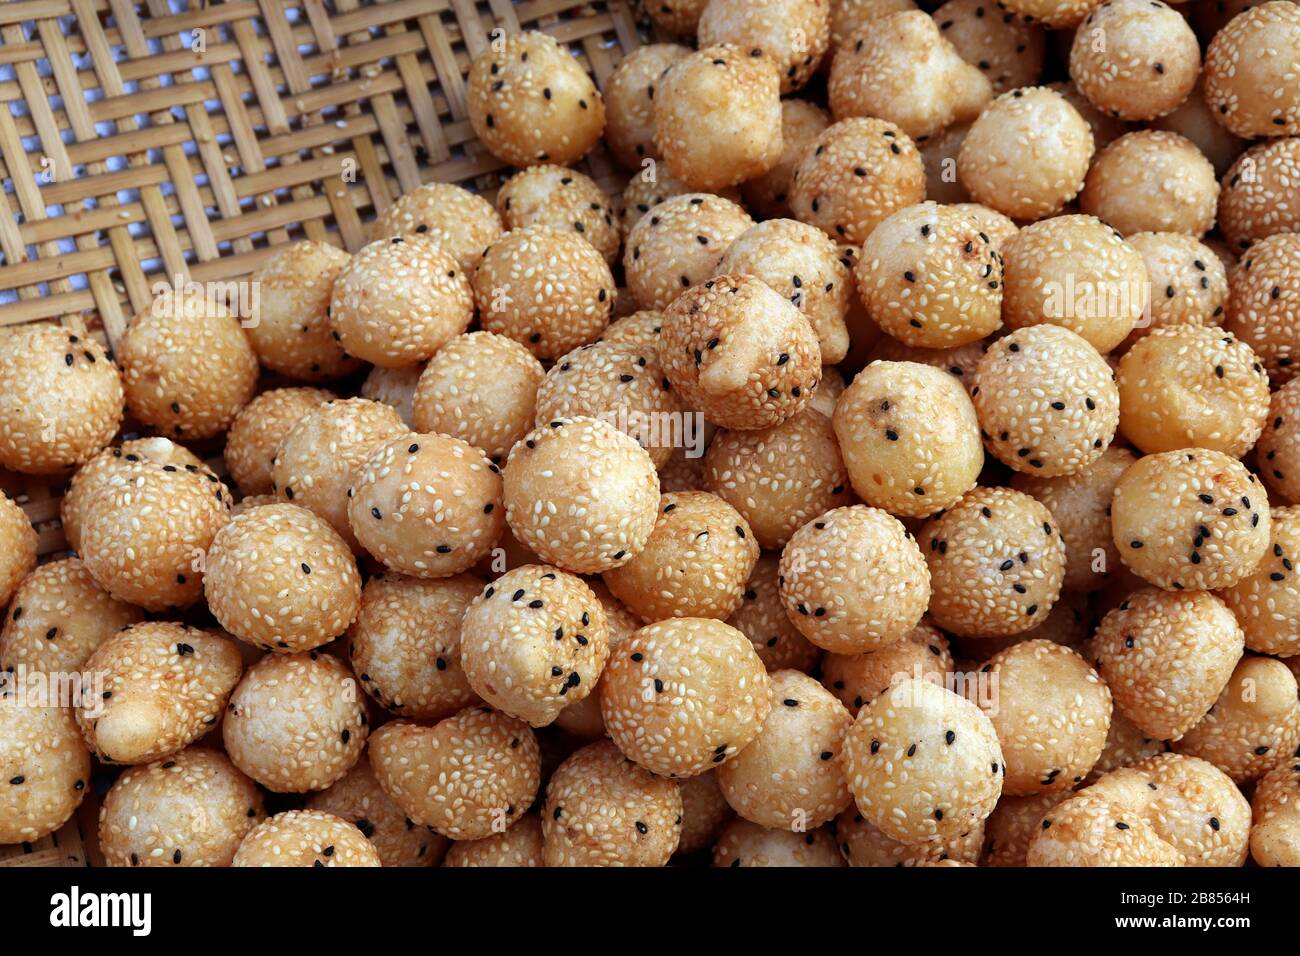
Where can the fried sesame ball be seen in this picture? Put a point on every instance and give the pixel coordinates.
(761, 617)
(259, 429)
(795, 34)
(684, 695)
(164, 686)
(320, 457)
(359, 800)
(864, 845)
(306, 838)
(280, 578)
(465, 777)
(739, 352)
(1198, 809)
(1152, 181)
(1188, 281)
(461, 222)
(58, 618)
(1052, 713)
(858, 678)
(1054, 14)
(1192, 387)
(1264, 303)
(802, 122)
(395, 386)
(292, 334)
(902, 69)
(1261, 193)
(61, 399)
(641, 329)
(854, 175)
(1027, 154)
(658, 263)
(399, 300)
(629, 102)
(1275, 837)
(996, 562)
(1006, 50)
(742, 843)
(849, 16)
(1254, 726)
(563, 198)
(547, 289)
(581, 494)
(924, 764)
(1080, 505)
(519, 846)
(704, 811)
(530, 101)
(190, 809)
(1195, 120)
(676, 16)
(582, 718)
(909, 437)
(959, 362)
(17, 547)
(655, 186)
(44, 764)
(1193, 519)
(1014, 823)
(1278, 449)
(143, 535)
(1105, 128)
(187, 366)
(1126, 745)
(1166, 656)
(1250, 71)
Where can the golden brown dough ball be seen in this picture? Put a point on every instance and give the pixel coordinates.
(678, 244)
(18, 556)
(565, 199)
(742, 843)
(519, 846)
(1152, 181)
(1278, 450)
(1054, 14)
(849, 16)
(306, 838)
(654, 186)
(1250, 71)
(676, 16)
(260, 428)
(41, 748)
(1275, 837)
(1014, 823)
(1188, 282)
(858, 678)
(801, 123)
(761, 617)
(1267, 602)
(1199, 810)
(1264, 303)
(1126, 744)
(393, 386)
(795, 33)
(1004, 48)
(460, 221)
(704, 811)
(1260, 194)
(1195, 120)
(629, 102)
(359, 800)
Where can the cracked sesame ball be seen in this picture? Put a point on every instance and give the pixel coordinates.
(164, 686)
(779, 478)
(1250, 71)
(260, 428)
(1278, 449)
(1254, 726)
(1047, 402)
(359, 800)
(910, 438)
(1052, 713)
(924, 764)
(1192, 387)
(695, 563)
(704, 812)
(679, 244)
(1264, 303)
(621, 384)
(742, 843)
(61, 399)
(1198, 809)
(853, 580)
(1126, 744)
(1260, 195)
(1166, 656)
(1194, 519)
(996, 562)
(801, 123)
(858, 678)
(641, 329)
(280, 578)
(717, 115)
(761, 617)
(534, 641)
(465, 777)
(320, 457)
(292, 334)
(565, 199)
(1077, 273)
(144, 533)
(187, 366)
(296, 722)
(58, 618)
(1152, 181)
(531, 101)
(547, 289)
(794, 33)
(739, 352)
(629, 102)
(190, 809)
(684, 695)
(1189, 285)
(801, 263)
(519, 846)
(603, 810)
(1005, 49)
(1275, 837)
(1080, 505)
(581, 494)
(902, 69)
(399, 300)
(854, 175)
(404, 645)
(1027, 154)
(864, 845)
(1135, 59)
(1014, 823)
(44, 767)
(427, 505)
(306, 838)
(792, 774)
(929, 276)
(1054, 14)
(17, 547)
(463, 223)
(582, 717)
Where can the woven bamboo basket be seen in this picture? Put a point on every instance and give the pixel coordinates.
(140, 141)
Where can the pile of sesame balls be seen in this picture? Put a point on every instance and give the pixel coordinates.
(903, 471)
